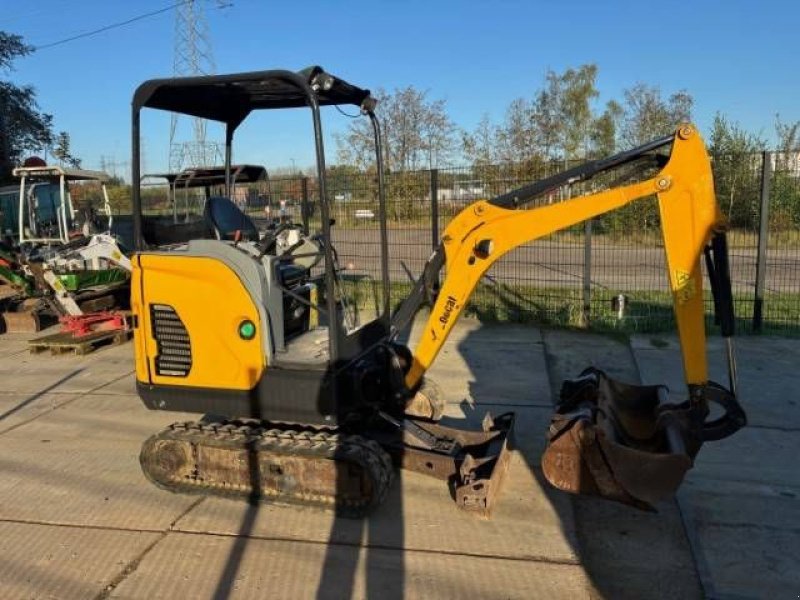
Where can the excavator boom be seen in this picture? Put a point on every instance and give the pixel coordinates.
(656, 448)
(483, 232)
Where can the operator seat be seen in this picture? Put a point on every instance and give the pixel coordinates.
(225, 219)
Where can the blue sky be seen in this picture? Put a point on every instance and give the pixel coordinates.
(735, 57)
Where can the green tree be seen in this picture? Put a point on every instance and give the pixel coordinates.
(23, 128)
(785, 190)
(63, 153)
(560, 122)
(578, 92)
(644, 115)
(603, 132)
(547, 122)
(737, 164)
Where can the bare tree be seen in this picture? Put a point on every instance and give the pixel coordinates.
(558, 123)
(516, 137)
(416, 133)
(648, 115)
(480, 146)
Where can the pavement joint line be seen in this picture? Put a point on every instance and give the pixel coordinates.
(696, 549)
(171, 530)
(108, 383)
(114, 528)
(711, 478)
(701, 568)
(117, 528)
(539, 559)
(773, 528)
(774, 428)
(78, 395)
(131, 567)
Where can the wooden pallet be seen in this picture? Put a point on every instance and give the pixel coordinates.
(60, 343)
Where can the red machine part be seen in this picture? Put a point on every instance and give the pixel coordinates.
(81, 325)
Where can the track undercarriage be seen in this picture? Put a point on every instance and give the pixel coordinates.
(349, 473)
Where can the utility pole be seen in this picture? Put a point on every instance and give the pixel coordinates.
(192, 56)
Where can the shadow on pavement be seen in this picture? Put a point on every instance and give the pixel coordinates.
(39, 394)
(625, 553)
(383, 579)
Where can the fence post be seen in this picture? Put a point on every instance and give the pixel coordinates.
(434, 208)
(305, 209)
(587, 272)
(763, 235)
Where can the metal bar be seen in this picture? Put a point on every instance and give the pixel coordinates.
(305, 208)
(527, 193)
(228, 153)
(763, 235)
(23, 211)
(587, 272)
(136, 208)
(376, 128)
(335, 333)
(434, 208)
(63, 226)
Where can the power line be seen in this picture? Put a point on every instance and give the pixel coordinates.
(120, 24)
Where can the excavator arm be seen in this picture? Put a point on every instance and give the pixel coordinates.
(642, 419)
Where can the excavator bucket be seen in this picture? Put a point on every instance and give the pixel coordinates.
(23, 318)
(623, 442)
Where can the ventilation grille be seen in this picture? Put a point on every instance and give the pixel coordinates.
(174, 356)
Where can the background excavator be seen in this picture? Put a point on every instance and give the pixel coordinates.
(248, 328)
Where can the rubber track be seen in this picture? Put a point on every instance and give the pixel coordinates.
(322, 443)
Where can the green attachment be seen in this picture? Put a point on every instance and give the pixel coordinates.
(78, 280)
(16, 280)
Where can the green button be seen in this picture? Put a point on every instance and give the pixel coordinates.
(247, 330)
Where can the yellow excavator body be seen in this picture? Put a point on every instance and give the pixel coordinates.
(304, 405)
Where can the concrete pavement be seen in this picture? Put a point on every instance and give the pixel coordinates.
(78, 520)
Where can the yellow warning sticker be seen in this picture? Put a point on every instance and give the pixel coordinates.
(684, 286)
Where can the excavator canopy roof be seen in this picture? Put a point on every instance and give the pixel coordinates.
(230, 98)
(55, 171)
(205, 176)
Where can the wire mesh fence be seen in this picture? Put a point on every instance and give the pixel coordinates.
(607, 274)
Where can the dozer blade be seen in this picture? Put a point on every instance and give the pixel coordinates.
(623, 442)
(473, 462)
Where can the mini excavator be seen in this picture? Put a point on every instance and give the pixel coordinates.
(247, 328)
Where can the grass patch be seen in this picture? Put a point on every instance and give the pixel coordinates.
(647, 312)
